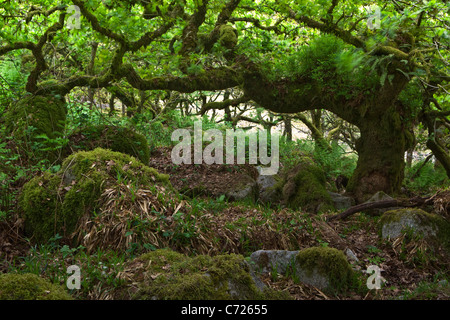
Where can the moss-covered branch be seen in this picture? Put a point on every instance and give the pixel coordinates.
(215, 79)
(149, 37)
(16, 46)
(296, 95)
(257, 24)
(36, 48)
(189, 37)
(122, 95)
(64, 87)
(223, 104)
(316, 133)
(36, 11)
(440, 153)
(96, 25)
(345, 35)
(433, 142)
(41, 65)
(222, 19)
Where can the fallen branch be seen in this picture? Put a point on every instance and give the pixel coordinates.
(412, 202)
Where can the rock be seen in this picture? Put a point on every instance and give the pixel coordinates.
(322, 267)
(258, 282)
(379, 196)
(303, 188)
(394, 223)
(443, 283)
(325, 268)
(266, 186)
(74, 191)
(266, 261)
(30, 287)
(167, 275)
(341, 202)
(351, 255)
(246, 188)
(34, 117)
(314, 278)
(46, 114)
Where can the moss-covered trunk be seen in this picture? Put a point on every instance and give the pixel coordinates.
(381, 149)
(440, 153)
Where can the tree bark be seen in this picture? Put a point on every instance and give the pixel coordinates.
(90, 72)
(288, 127)
(381, 148)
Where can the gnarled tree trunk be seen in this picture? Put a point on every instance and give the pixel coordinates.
(381, 154)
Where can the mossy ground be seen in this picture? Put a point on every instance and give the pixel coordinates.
(29, 287)
(54, 203)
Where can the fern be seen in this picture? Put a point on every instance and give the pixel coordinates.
(12, 81)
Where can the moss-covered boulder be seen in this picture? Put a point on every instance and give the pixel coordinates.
(119, 139)
(29, 287)
(55, 203)
(418, 223)
(36, 115)
(167, 275)
(324, 268)
(40, 120)
(303, 187)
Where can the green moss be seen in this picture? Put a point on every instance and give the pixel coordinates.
(172, 276)
(161, 258)
(328, 262)
(29, 287)
(432, 226)
(47, 114)
(34, 116)
(38, 201)
(54, 203)
(117, 139)
(114, 164)
(304, 187)
(380, 165)
(228, 36)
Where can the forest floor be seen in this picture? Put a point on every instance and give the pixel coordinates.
(410, 270)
